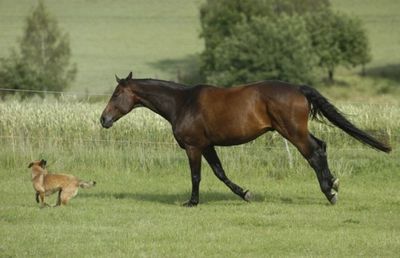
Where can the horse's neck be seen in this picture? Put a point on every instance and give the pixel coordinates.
(163, 100)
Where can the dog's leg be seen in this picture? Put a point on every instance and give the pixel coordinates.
(37, 197)
(65, 196)
(42, 203)
(59, 198)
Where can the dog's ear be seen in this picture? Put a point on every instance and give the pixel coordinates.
(30, 165)
(43, 163)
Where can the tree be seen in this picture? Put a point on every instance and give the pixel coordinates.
(43, 60)
(338, 39)
(265, 48)
(220, 19)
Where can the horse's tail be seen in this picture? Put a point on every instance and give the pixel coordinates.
(320, 106)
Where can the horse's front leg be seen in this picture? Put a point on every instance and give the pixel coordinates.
(212, 158)
(194, 155)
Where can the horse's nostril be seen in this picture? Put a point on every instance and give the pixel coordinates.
(103, 121)
(106, 123)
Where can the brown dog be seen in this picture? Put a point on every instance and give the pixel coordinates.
(46, 184)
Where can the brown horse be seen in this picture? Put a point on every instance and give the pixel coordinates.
(205, 116)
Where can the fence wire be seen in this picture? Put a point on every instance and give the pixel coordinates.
(88, 94)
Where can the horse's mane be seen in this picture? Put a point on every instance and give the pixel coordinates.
(155, 82)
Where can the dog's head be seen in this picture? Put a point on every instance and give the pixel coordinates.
(41, 163)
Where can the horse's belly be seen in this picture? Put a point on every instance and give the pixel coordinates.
(237, 135)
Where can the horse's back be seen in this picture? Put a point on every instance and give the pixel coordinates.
(234, 115)
(240, 114)
(246, 97)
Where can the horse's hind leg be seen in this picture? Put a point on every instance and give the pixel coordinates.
(212, 158)
(314, 151)
(318, 161)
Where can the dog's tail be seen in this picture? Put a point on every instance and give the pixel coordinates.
(86, 184)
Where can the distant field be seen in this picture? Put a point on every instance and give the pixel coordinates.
(109, 37)
(382, 21)
(157, 38)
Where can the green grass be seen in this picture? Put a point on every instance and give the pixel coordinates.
(143, 177)
(135, 211)
(380, 19)
(138, 214)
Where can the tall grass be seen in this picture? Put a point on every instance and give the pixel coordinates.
(79, 122)
(49, 128)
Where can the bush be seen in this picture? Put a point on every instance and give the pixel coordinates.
(245, 40)
(337, 39)
(264, 48)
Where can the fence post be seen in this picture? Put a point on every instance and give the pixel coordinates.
(289, 154)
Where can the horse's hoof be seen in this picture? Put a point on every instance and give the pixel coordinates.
(189, 204)
(248, 196)
(335, 184)
(334, 199)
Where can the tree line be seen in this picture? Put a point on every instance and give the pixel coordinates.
(297, 41)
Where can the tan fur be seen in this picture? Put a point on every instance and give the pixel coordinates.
(46, 184)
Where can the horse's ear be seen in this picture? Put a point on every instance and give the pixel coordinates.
(117, 79)
(30, 165)
(129, 76)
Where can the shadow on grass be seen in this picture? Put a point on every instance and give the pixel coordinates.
(183, 70)
(296, 200)
(390, 72)
(206, 198)
(167, 198)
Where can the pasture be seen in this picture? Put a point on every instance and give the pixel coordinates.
(143, 178)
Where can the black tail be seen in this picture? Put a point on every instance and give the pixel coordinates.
(320, 106)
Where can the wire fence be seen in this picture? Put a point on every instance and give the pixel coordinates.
(71, 93)
(172, 144)
(285, 147)
(89, 94)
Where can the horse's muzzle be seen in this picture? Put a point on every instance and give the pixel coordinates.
(106, 122)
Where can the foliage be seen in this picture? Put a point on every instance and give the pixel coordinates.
(337, 39)
(43, 60)
(220, 19)
(254, 52)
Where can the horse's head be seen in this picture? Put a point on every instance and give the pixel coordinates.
(121, 102)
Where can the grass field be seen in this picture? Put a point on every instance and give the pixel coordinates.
(143, 177)
(110, 37)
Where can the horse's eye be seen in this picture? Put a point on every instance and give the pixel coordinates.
(114, 95)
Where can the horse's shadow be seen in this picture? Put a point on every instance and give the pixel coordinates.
(205, 198)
